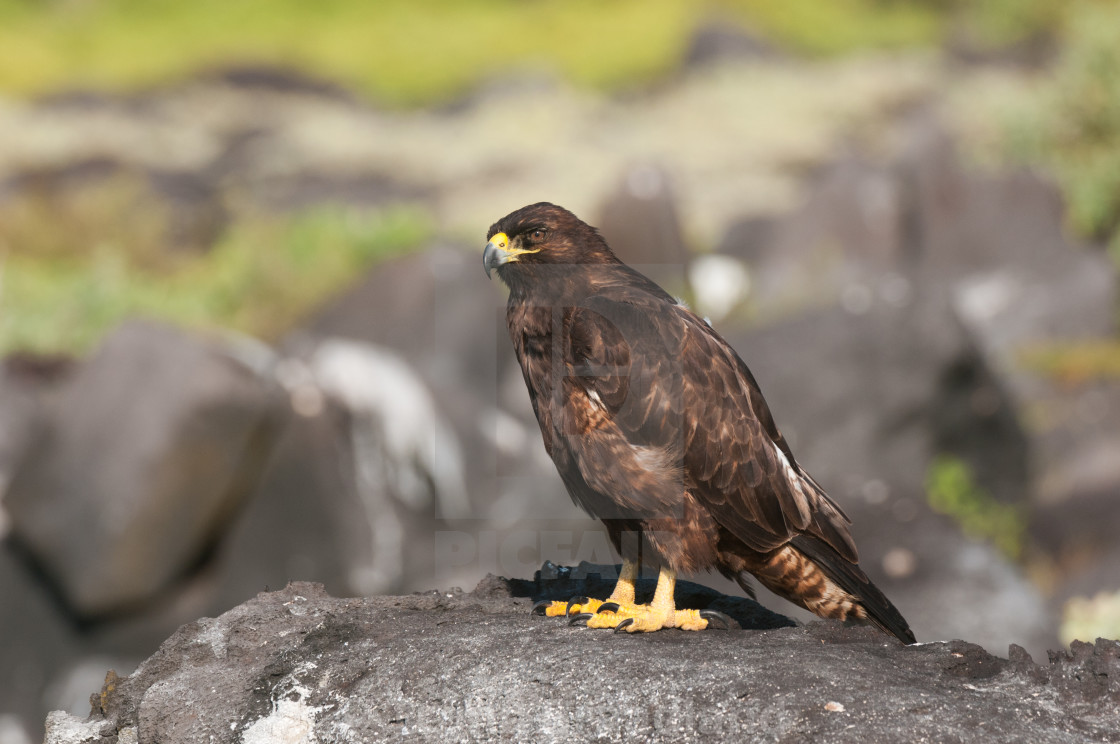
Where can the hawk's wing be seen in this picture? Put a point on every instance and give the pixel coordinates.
(651, 387)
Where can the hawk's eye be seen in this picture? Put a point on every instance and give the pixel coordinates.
(537, 234)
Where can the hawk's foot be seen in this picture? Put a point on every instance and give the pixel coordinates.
(574, 606)
(619, 611)
(648, 618)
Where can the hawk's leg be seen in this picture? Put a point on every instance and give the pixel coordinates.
(623, 595)
(661, 613)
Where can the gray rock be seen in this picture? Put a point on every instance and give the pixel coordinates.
(299, 665)
(62, 727)
(37, 642)
(957, 221)
(749, 238)
(1071, 426)
(305, 519)
(948, 280)
(359, 484)
(640, 222)
(150, 448)
(868, 400)
(437, 312)
(1019, 286)
(428, 307)
(300, 191)
(1093, 578)
(927, 220)
(1034, 51)
(196, 215)
(280, 79)
(720, 40)
(845, 237)
(27, 382)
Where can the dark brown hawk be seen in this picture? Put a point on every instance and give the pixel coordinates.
(659, 430)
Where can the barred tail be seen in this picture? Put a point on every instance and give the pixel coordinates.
(810, 573)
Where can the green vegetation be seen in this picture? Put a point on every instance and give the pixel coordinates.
(952, 490)
(407, 53)
(1070, 124)
(264, 274)
(403, 52)
(994, 23)
(826, 27)
(73, 262)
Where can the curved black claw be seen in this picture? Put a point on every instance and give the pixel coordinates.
(574, 602)
(714, 616)
(580, 619)
(607, 607)
(539, 607)
(623, 625)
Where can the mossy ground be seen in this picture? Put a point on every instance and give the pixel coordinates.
(399, 53)
(263, 275)
(407, 53)
(951, 489)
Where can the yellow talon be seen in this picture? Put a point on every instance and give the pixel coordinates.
(612, 618)
(623, 594)
(563, 609)
(623, 615)
(647, 618)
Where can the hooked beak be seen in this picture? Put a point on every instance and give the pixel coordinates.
(496, 253)
(499, 252)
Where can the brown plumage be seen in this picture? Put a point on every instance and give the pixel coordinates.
(658, 428)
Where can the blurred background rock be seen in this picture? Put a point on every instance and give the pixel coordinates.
(246, 337)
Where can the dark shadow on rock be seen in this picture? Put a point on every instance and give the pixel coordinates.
(597, 581)
(458, 666)
(279, 79)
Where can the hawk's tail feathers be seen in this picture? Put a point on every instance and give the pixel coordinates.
(810, 573)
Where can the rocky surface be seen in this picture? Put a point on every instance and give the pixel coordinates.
(343, 491)
(868, 425)
(27, 383)
(298, 665)
(927, 286)
(881, 291)
(147, 450)
(195, 155)
(639, 220)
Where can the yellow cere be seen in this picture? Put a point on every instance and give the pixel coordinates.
(501, 242)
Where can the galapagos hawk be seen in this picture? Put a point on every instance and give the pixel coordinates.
(659, 430)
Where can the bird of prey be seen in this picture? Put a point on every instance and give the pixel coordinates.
(659, 430)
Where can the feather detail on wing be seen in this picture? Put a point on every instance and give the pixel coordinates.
(666, 380)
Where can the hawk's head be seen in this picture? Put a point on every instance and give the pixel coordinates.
(541, 234)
